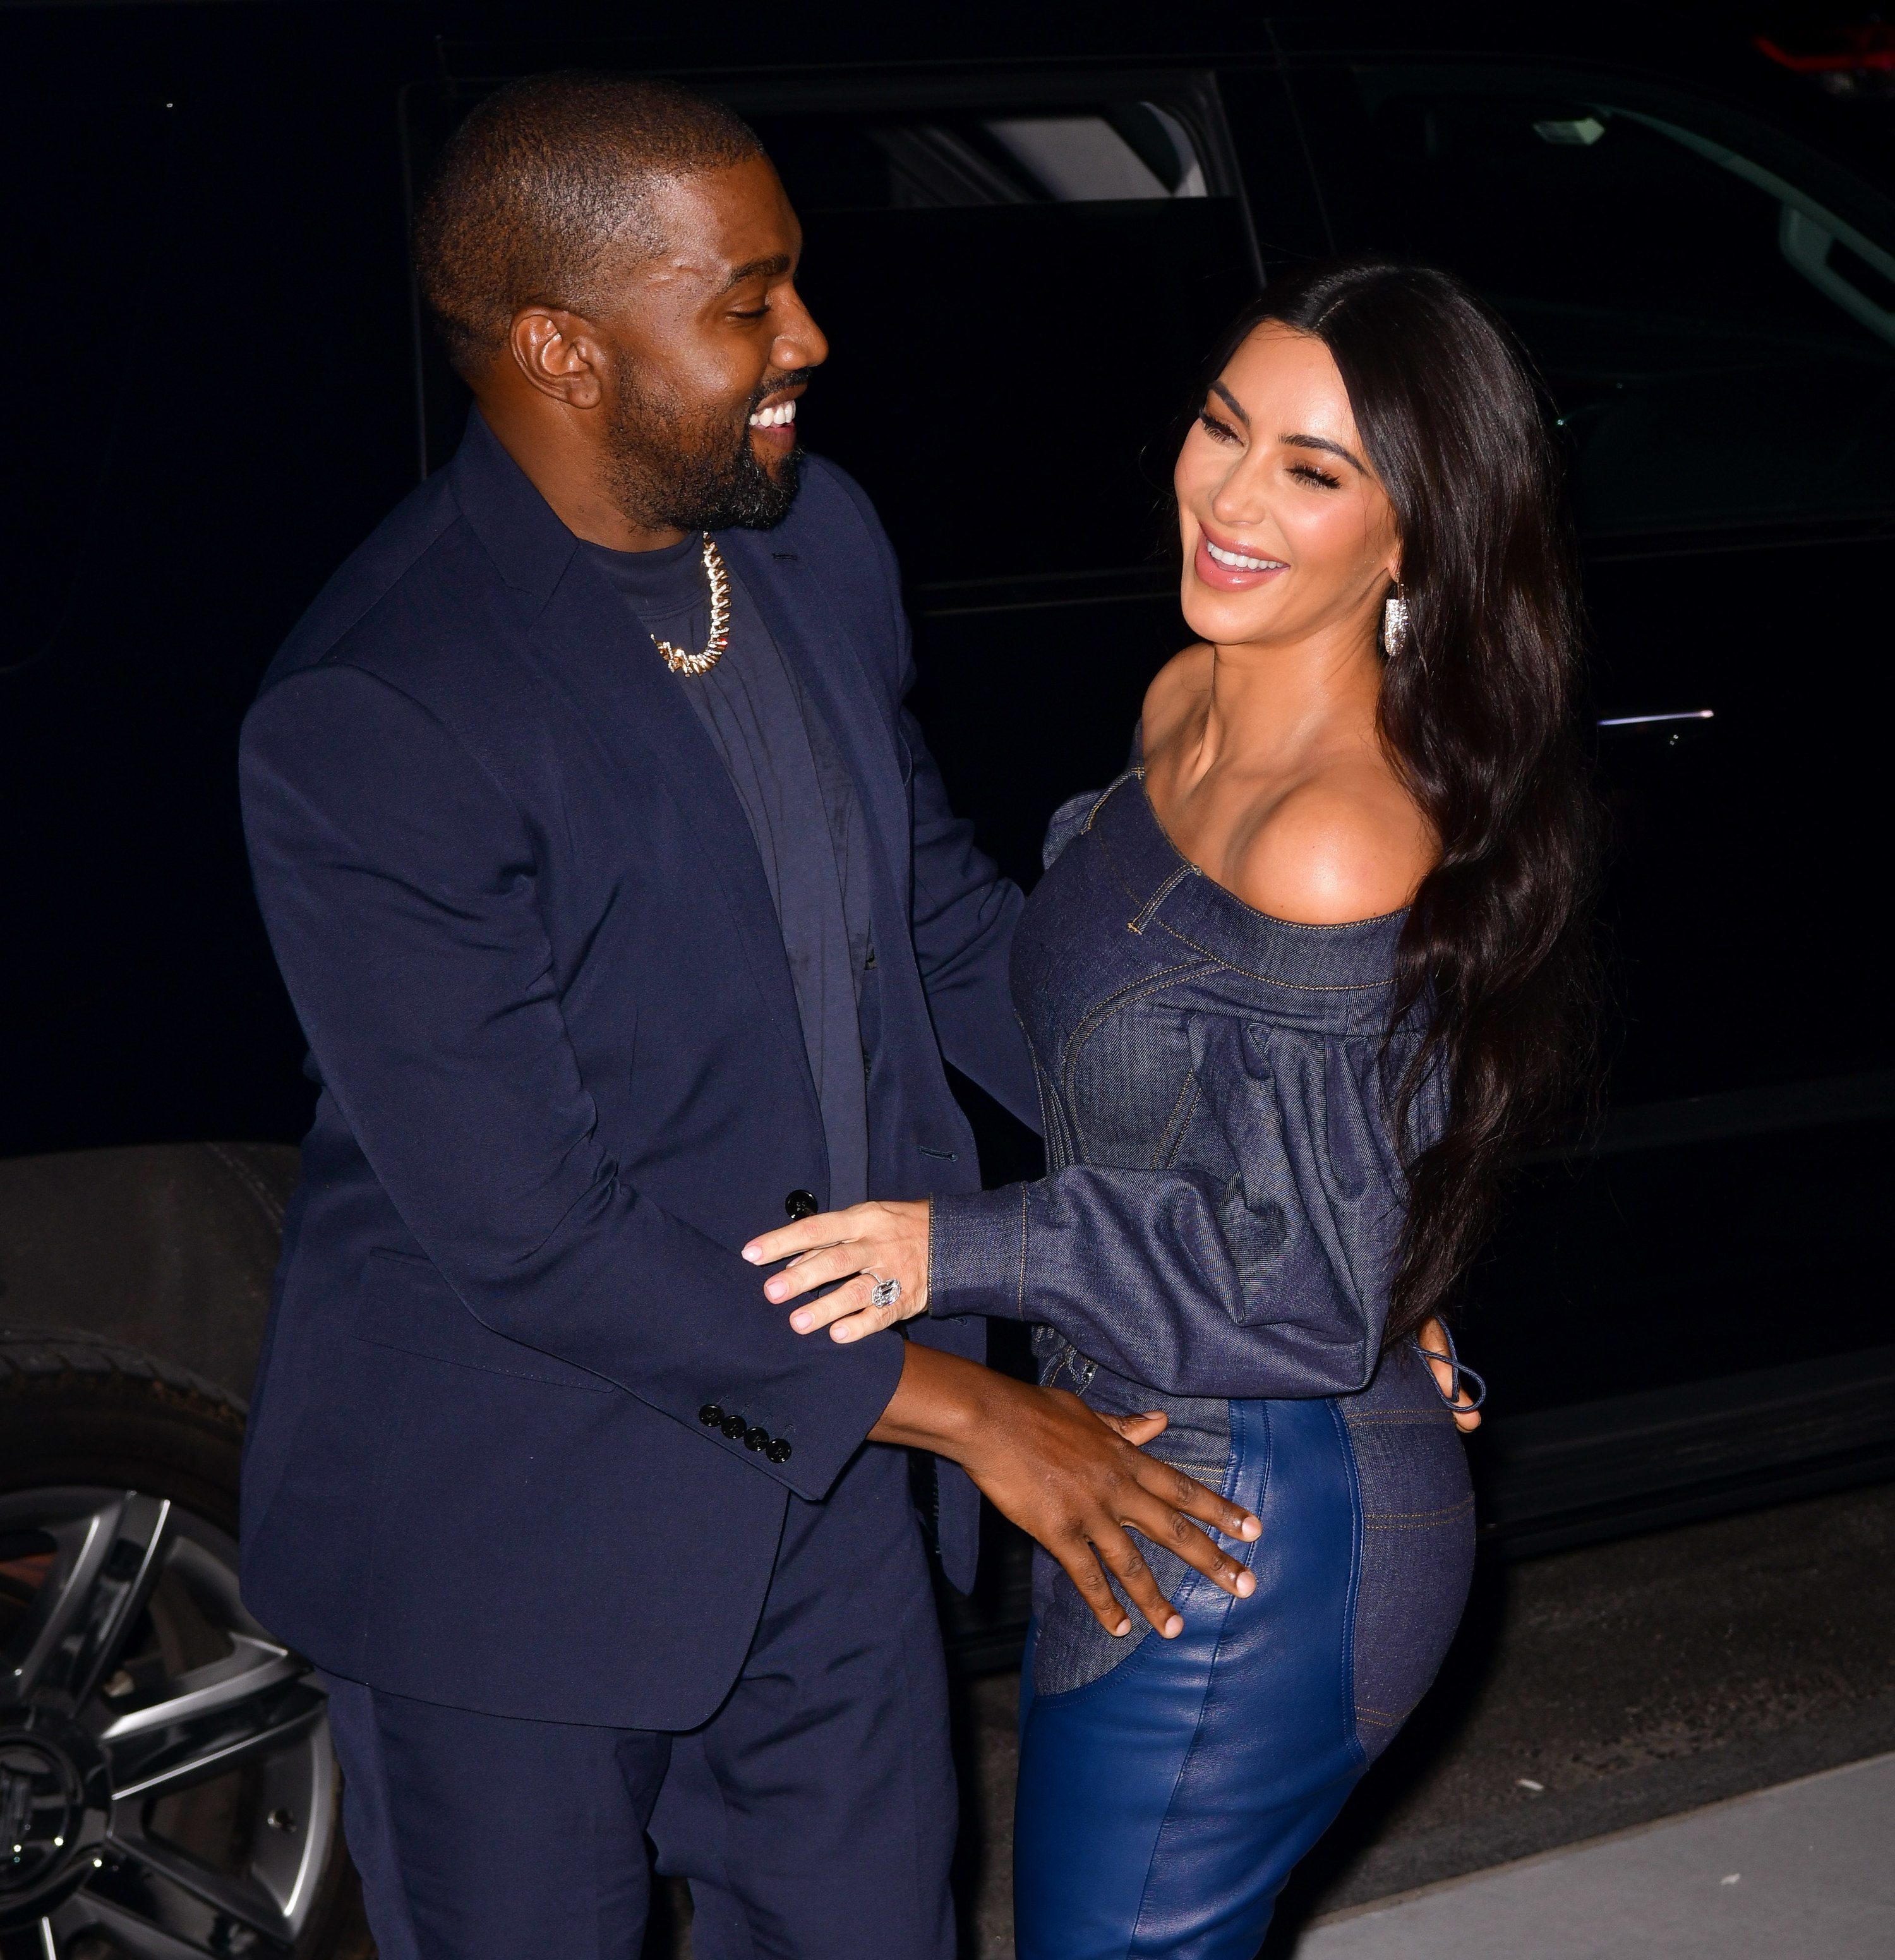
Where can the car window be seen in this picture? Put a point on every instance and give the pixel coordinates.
(80, 183)
(934, 160)
(1015, 296)
(1720, 343)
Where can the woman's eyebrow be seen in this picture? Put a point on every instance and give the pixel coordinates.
(1324, 444)
(1236, 408)
(1230, 401)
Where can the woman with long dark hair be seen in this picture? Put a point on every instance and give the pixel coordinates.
(1298, 985)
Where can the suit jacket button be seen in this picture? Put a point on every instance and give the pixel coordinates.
(801, 1204)
(733, 1426)
(756, 1439)
(779, 1451)
(711, 1416)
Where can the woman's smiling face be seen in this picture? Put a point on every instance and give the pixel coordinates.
(1287, 531)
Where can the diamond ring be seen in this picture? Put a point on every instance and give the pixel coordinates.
(885, 1292)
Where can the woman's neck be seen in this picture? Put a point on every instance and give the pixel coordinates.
(1273, 709)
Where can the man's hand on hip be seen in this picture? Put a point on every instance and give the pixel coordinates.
(1071, 1479)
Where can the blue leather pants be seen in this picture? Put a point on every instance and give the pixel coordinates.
(1162, 1807)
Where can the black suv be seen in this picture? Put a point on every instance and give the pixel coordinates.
(1019, 249)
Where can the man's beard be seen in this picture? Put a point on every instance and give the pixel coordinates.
(665, 473)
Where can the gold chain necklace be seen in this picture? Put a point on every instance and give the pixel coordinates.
(681, 659)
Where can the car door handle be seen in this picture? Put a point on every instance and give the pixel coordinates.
(1681, 724)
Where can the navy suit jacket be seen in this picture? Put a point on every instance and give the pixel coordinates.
(525, 924)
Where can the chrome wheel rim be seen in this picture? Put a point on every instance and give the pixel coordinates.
(167, 1789)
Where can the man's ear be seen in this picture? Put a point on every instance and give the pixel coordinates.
(561, 354)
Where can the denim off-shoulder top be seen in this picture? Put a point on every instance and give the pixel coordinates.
(1224, 1195)
(1220, 1218)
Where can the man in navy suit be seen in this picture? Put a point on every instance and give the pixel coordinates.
(624, 911)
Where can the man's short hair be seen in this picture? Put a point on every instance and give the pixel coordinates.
(540, 183)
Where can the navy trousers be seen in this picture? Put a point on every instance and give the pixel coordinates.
(814, 1814)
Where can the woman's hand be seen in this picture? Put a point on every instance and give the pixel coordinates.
(1434, 1337)
(866, 1244)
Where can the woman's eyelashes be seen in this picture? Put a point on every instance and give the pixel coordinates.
(1219, 430)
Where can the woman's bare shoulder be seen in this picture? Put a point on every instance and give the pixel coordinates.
(1346, 844)
(1178, 692)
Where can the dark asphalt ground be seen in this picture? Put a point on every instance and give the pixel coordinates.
(1632, 1681)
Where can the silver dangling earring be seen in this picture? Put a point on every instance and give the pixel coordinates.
(1394, 623)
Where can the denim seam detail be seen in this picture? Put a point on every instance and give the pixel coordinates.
(1270, 980)
(1184, 1129)
(1043, 1089)
(1113, 1005)
(1105, 852)
(1133, 989)
(1346, 1661)
(1020, 1297)
(1416, 1520)
(1158, 898)
(1117, 783)
(1175, 1125)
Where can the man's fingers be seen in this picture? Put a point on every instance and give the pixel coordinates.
(1137, 1430)
(1188, 1495)
(1081, 1566)
(1163, 1488)
(1158, 1521)
(1082, 1558)
(1128, 1566)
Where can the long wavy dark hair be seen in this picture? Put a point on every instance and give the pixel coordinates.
(1478, 714)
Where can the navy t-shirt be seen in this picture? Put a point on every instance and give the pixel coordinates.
(794, 788)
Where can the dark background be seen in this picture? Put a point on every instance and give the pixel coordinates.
(218, 386)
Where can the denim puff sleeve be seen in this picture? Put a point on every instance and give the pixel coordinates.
(1271, 1280)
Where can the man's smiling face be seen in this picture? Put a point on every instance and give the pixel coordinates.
(709, 348)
